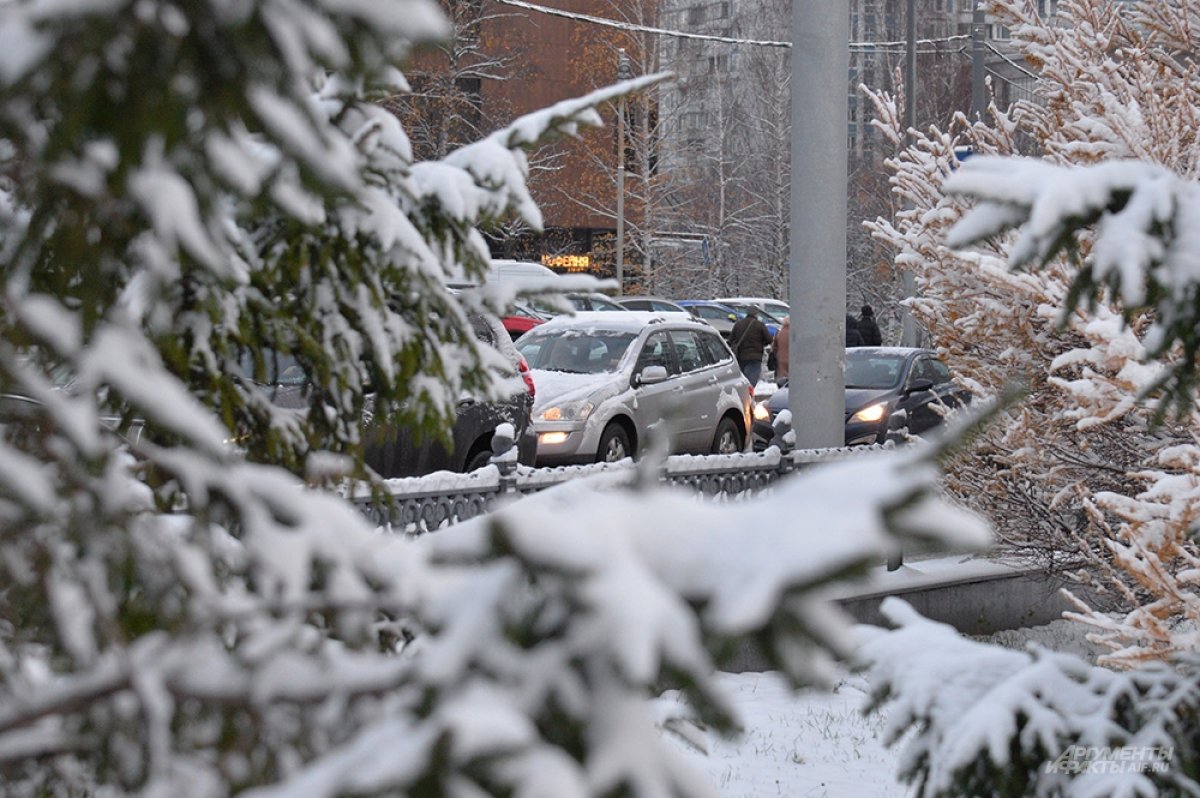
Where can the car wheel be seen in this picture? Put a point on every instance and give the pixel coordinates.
(729, 439)
(614, 444)
(478, 460)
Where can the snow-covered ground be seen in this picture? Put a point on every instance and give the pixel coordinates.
(810, 743)
(820, 743)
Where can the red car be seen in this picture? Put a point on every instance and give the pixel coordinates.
(522, 320)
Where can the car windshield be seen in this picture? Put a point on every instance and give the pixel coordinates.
(873, 370)
(280, 369)
(775, 313)
(575, 351)
(604, 303)
(779, 313)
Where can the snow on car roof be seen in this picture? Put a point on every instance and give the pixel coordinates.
(750, 299)
(633, 320)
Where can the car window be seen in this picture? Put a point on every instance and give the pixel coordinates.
(688, 350)
(278, 368)
(636, 304)
(940, 373)
(709, 312)
(930, 369)
(772, 315)
(715, 348)
(483, 331)
(575, 352)
(665, 307)
(872, 371)
(600, 303)
(657, 352)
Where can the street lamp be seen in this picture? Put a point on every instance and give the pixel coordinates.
(624, 72)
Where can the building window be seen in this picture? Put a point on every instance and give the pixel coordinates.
(726, 10)
(695, 15)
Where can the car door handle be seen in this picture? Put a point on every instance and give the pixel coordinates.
(467, 402)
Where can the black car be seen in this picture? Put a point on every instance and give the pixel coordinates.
(395, 452)
(879, 382)
(398, 452)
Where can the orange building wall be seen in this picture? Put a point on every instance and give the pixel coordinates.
(555, 64)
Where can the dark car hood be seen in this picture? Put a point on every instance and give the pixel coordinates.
(856, 399)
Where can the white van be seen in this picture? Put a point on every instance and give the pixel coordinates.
(505, 269)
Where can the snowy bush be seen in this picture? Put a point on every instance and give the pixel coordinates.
(1101, 451)
(1107, 292)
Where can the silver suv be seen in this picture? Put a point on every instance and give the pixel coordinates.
(603, 378)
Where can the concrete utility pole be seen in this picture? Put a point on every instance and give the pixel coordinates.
(624, 72)
(978, 44)
(817, 276)
(910, 335)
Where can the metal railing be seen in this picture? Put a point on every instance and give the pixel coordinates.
(422, 504)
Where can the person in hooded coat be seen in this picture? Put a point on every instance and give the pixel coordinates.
(868, 328)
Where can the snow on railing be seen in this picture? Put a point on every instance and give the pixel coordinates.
(415, 505)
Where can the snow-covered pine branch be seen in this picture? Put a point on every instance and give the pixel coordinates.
(977, 719)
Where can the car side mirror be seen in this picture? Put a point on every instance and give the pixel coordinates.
(651, 375)
(917, 386)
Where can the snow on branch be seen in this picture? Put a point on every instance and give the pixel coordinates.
(1145, 246)
(977, 719)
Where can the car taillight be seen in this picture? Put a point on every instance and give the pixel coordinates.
(523, 367)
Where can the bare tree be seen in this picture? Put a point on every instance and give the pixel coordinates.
(446, 106)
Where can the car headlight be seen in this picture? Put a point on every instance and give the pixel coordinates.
(569, 411)
(871, 413)
(761, 413)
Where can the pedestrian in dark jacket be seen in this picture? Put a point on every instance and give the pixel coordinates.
(750, 338)
(868, 329)
(853, 337)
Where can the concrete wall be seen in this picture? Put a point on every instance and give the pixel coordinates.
(976, 597)
(977, 605)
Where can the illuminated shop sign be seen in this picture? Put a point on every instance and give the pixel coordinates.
(570, 263)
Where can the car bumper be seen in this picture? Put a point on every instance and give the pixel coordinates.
(564, 444)
(860, 433)
(857, 434)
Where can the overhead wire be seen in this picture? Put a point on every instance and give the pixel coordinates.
(1011, 62)
(634, 27)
